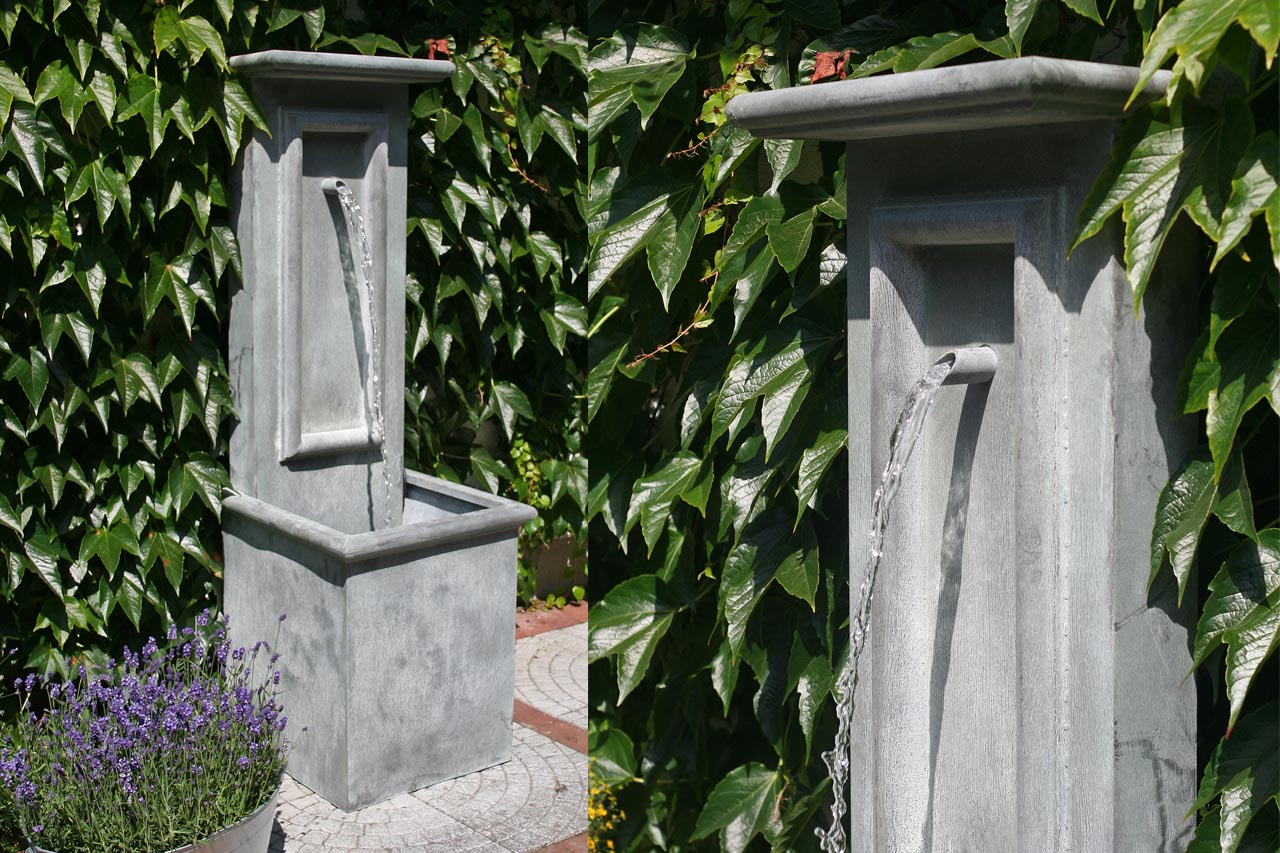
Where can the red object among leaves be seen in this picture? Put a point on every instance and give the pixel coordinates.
(440, 46)
(830, 63)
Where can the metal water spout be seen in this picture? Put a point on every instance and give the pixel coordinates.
(970, 365)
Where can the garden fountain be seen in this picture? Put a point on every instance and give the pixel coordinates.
(398, 652)
(1020, 688)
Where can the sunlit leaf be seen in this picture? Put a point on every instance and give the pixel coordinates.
(638, 64)
(740, 807)
(627, 624)
(1181, 512)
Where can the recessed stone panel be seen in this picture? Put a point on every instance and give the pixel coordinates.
(328, 317)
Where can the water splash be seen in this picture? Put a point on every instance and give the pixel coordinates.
(355, 226)
(903, 440)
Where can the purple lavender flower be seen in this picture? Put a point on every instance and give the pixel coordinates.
(189, 718)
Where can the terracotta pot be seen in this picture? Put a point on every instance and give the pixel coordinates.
(251, 834)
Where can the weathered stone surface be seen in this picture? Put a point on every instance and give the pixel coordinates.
(400, 588)
(1020, 690)
(397, 655)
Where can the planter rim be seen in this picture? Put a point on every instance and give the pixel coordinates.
(193, 848)
(310, 65)
(1029, 90)
(495, 515)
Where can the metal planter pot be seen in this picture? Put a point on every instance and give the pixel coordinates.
(250, 835)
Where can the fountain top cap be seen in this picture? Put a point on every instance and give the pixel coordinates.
(1005, 93)
(307, 65)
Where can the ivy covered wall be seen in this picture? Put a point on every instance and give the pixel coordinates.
(716, 389)
(120, 123)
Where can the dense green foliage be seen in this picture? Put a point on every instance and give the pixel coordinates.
(497, 258)
(121, 120)
(718, 520)
(118, 126)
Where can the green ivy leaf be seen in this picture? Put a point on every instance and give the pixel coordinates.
(767, 551)
(149, 101)
(783, 155)
(1234, 503)
(566, 318)
(106, 543)
(33, 138)
(799, 575)
(32, 374)
(198, 36)
(12, 90)
(638, 64)
(741, 806)
(1018, 14)
(136, 375)
(814, 462)
(724, 674)
(1183, 508)
(1193, 29)
(129, 597)
(757, 214)
(56, 81)
(790, 240)
(1254, 190)
(742, 487)
(200, 476)
(767, 368)
(165, 27)
(653, 495)
(627, 624)
(1245, 586)
(10, 518)
(510, 401)
(603, 357)
(748, 286)
(670, 242)
(922, 52)
(632, 219)
(613, 759)
(490, 471)
(1244, 771)
(809, 674)
(44, 553)
(1249, 352)
(1155, 170)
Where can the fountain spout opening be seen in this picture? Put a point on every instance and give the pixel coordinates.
(331, 186)
(970, 365)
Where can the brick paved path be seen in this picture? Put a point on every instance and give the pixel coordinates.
(537, 799)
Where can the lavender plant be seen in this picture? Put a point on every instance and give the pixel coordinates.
(162, 750)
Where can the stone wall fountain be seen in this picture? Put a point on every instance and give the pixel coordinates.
(1020, 689)
(400, 588)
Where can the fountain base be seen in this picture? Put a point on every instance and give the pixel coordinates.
(397, 657)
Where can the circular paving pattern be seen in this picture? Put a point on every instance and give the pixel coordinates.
(537, 798)
(551, 673)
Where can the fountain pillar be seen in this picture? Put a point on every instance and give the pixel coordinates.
(400, 589)
(1020, 689)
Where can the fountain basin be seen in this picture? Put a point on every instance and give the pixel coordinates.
(398, 653)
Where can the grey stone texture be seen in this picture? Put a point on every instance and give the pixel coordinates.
(1020, 689)
(537, 798)
(400, 587)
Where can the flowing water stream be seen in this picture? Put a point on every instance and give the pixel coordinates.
(903, 440)
(373, 393)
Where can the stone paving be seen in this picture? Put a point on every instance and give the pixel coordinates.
(536, 799)
(551, 673)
